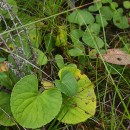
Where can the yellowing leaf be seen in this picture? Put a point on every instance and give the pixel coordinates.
(47, 84)
(61, 39)
(117, 56)
(82, 105)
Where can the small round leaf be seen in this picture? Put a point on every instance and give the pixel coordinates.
(126, 4)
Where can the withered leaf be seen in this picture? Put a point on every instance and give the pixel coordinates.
(3, 67)
(116, 56)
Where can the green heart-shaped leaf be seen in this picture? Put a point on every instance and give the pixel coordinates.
(31, 108)
(5, 111)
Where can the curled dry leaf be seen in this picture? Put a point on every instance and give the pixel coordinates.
(3, 67)
(116, 56)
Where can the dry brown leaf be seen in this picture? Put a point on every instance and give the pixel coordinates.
(3, 67)
(116, 56)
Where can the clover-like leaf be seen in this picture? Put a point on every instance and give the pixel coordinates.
(75, 35)
(113, 5)
(81, 106)
(5, 111)
(32, 108)
(94, 28)
(106, 1)
(93, 54)
(120, 20)
(67, 83)
(75, 52)
(107, 12)
(101, 20)
(93, 41)
(81, 17)
(95, 7)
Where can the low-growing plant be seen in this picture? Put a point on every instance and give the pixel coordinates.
(32, 105)
(48, 66)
